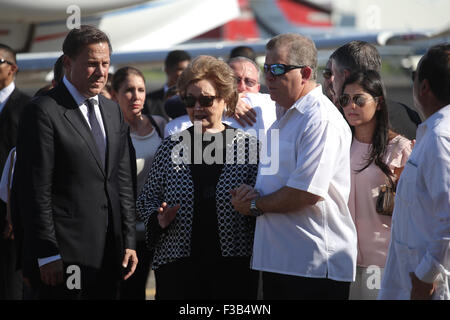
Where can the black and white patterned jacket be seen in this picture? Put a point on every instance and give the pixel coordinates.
(170, 181)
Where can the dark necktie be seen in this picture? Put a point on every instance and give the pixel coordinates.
(96, 131)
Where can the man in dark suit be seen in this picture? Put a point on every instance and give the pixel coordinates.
(12, 101)
(361, 55)
(72, 186)
(174, 64)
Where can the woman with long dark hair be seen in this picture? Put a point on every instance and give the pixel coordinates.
(377, 158)
(128, 90)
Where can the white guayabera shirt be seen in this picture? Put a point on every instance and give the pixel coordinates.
(314, 156)
(420, 236)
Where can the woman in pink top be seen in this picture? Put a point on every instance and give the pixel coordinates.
(376, 154)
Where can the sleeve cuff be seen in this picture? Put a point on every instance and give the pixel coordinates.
(428, 269)
(43, 261)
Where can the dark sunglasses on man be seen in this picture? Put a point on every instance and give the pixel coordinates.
(278, 69)
(2, 61)
(203, 101)
(359, 100)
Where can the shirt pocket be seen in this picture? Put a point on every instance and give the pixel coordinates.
(406, 189)
(287, 158)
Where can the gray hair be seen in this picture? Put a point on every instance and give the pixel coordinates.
(245, 59)
(301, 50)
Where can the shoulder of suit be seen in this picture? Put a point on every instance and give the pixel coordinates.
(19, 97)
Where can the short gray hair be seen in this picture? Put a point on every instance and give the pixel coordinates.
(245, 59)
(301, 50)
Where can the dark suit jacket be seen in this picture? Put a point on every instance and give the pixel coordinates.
(60, 189)
(9, 123)
(403, 119)
(154, 104)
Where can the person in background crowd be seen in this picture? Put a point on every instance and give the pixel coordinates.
(418, 262)
(377, 157)
(242, 51)
(328, 78)
(360, 55)
(128, 90)
(174, 64)
(12, 102)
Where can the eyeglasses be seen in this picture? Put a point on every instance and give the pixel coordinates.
(248, 82)
(278, 69)
(203, 101)
(358, 100)
(2, 61)
(327, 74)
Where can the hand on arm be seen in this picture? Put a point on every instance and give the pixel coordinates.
(241, 198)
(244, 114)
(284, 200)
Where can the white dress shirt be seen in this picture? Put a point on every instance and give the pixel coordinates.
(314, 156)
(5, 93)
(420, 236)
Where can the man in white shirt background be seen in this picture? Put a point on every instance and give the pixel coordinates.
(418, 262)
(305, 239)
(12, 101)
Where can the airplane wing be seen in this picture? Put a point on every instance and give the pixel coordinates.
(137, 25)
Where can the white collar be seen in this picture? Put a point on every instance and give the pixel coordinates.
(6, 92)
(77, 96)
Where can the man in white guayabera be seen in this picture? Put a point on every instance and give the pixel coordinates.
(305, 239)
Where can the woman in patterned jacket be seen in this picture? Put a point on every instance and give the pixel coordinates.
(202, 245)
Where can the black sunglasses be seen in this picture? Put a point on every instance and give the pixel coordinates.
(359, 100)
(2, 61)
(203, 101)
(327, 74)
(278, 69)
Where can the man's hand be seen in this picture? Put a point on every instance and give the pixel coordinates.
(52, 274)
(166, 214)
(244, 114)
(129, 262)
(421, 290)
(241, 198)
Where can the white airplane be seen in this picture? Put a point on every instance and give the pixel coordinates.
(143, 31)
(132, 25)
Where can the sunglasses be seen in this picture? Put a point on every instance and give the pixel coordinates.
(248, 82)
(358, 100)
(2, 61)
(278, 69)
(327, 74)
(203, 101)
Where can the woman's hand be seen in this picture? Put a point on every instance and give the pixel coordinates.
(166, 214)
(241, 198)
